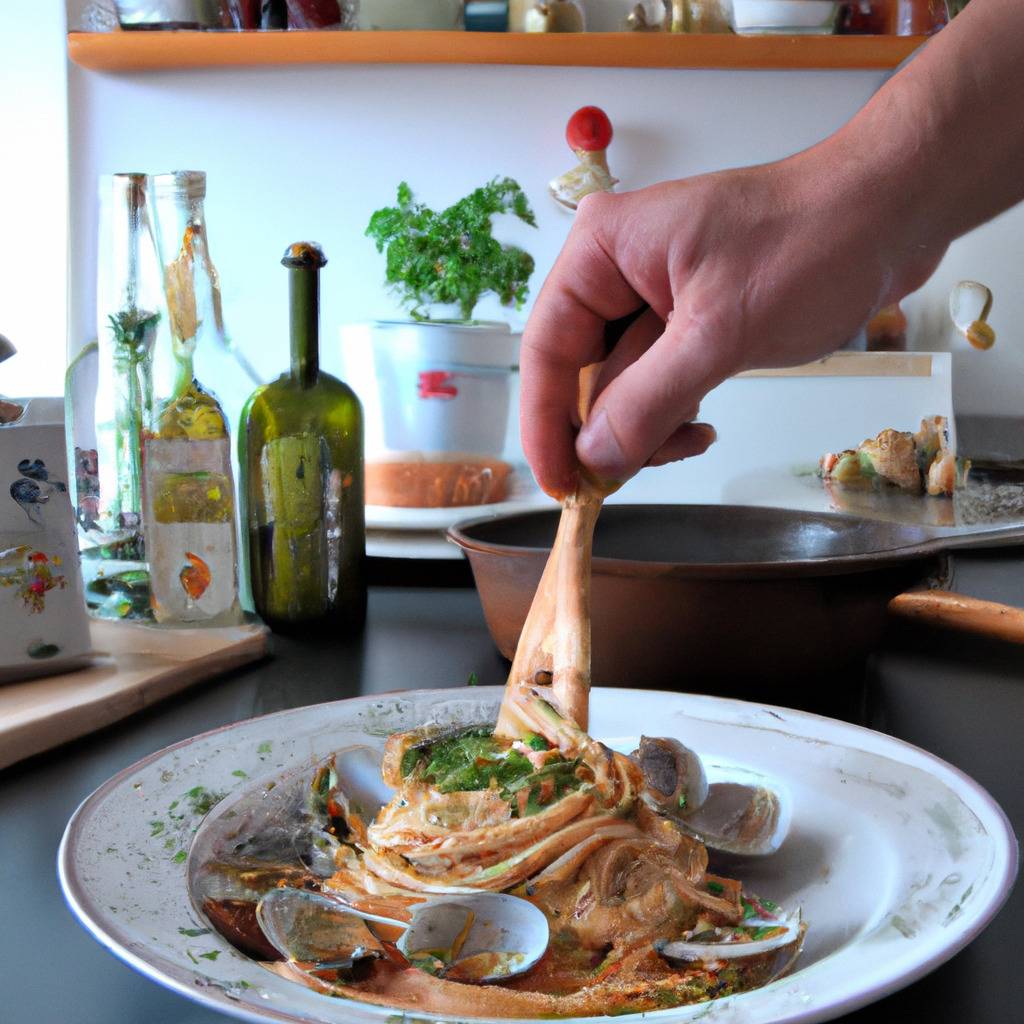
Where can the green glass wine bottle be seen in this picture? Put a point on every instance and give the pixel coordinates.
(301, 458)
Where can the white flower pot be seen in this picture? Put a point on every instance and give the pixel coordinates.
(432, 386)
(43, 623)
(433, 391)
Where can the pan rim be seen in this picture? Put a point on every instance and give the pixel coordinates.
(830, 565)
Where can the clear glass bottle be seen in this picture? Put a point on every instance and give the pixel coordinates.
(301, 453)
(129, 309)
(189, 494)
(179, 201)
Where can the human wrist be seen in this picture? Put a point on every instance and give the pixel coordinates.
(875, 185)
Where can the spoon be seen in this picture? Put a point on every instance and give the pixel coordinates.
(478, 937)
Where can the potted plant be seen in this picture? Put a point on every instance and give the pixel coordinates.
(437, 389)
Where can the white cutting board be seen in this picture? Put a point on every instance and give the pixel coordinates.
(134, 666)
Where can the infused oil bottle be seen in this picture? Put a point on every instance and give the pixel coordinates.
(301, 457)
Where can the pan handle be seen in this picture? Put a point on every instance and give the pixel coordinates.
(947, 610)
(966, 539)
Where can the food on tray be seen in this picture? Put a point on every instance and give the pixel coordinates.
(611, 848)
(419, 480)
(912, 462)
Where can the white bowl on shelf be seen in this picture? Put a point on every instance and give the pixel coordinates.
(784, 17)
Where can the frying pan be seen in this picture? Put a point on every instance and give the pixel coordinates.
(720, 591)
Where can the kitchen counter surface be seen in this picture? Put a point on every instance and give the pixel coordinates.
(962, 699)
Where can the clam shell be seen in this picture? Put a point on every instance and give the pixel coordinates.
(312, 930)
(785, 946)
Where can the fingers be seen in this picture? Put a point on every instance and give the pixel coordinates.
(565, 332)
(688, 440)
(638, 416)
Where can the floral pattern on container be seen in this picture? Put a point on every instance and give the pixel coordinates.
(33, 575)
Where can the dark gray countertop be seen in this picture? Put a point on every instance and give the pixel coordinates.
(961, 699)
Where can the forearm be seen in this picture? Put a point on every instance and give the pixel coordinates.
(940, 147)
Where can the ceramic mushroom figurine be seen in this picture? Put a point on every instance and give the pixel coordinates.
(554, 16)
(589, 133)
(970, 304)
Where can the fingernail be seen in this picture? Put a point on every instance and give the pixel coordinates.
(598, 449)
(709, 431)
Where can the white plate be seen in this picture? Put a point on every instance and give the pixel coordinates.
(897, 859)
(411, 544)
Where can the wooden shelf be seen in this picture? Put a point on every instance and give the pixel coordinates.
(145, 51)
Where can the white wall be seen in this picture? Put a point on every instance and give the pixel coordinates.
(33, 195)
(297, 152)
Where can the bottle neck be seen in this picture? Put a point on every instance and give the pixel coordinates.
(304, 290)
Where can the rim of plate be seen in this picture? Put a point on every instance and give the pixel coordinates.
(977, 799)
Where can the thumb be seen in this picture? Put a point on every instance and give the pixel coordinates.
(641, 408)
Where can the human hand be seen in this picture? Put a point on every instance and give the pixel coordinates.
(764, 266)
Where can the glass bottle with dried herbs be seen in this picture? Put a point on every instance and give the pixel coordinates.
(129, 309)
(301, 453)
(189, 494)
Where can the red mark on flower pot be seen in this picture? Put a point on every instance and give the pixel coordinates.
(437, 384)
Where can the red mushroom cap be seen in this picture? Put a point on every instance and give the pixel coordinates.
(589, 129)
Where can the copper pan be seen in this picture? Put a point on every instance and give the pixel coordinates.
(718, 591)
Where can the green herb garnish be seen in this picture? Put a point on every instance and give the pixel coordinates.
(476, 760)
(716, 887)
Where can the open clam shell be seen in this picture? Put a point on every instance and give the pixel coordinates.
(313, 931)
(741, 818)
(778, 951)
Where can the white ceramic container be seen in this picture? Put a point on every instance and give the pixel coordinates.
(784, 17)
(43, 623)
(432, 386)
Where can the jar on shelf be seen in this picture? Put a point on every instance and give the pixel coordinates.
(322, 14)
(700, 16)
(626, 15)
(893, 17)
(785, 17)
(169, 14)
(546, 16)
(391, 15)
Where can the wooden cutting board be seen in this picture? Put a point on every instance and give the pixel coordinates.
(134, 666)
